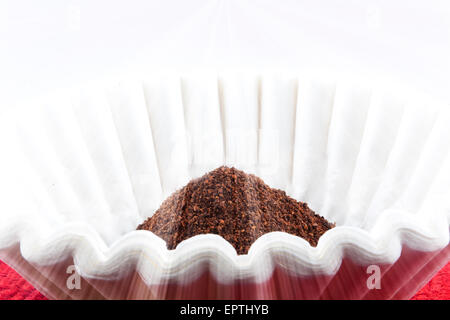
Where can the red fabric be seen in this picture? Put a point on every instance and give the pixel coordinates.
(14, 287)
(438, 288)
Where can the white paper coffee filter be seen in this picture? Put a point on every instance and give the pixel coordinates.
(81, 170)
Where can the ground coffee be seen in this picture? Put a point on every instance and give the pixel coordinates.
(239, 207)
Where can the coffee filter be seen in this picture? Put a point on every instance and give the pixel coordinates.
(81, 169)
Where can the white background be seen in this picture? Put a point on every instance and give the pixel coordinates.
(49, 44)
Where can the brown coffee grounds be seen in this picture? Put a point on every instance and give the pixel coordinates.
(239, 207)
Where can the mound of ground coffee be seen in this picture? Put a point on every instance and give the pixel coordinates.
(239, 207)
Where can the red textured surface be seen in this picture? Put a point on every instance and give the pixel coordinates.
(438, 288)
(14, 287)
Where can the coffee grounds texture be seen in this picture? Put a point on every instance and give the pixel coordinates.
(239, 207)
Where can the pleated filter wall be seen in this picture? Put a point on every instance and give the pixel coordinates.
(81, 170)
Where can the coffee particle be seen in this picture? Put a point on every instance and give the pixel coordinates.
(239, 207)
